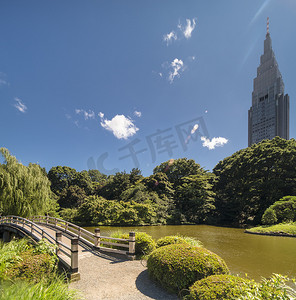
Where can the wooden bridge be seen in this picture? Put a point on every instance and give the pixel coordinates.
(71, 241)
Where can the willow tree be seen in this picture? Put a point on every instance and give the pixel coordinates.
(24, 190)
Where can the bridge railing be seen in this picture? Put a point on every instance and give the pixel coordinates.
(91, 239)
(39, 233)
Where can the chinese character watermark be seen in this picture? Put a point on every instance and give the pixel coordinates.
(159, 142)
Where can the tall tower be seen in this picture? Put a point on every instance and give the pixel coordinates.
(269, 113)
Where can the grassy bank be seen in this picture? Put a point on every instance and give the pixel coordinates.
(278, 229)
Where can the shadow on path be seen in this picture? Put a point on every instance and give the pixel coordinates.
(148, 288)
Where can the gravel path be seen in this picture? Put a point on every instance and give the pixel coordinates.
(115, 278)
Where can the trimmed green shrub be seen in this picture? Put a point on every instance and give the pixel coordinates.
(178, 266)
(269, 217)
(177, 239)
(217, 287)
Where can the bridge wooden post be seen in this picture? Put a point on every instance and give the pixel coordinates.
(47, 218)
(58, 240)
(97, 237)
(132, 244)
(74, 259)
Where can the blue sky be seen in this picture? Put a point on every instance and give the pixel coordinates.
(120, 84)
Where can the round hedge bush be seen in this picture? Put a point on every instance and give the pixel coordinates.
(217, 287)
(176, 239)
(178, 266)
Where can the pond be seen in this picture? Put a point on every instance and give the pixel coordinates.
(254, 255)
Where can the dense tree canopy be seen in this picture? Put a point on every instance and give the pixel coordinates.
(179, 191)
(195, 198)
(178, 168)
(24, 191)
(252, 179)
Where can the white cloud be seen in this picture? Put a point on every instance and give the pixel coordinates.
(19, 105)
(195, 127)
(121, 126)
(169, 37)
(188, 28)
(214, 142)
(177, 66)
(160, 74)
(3, 80)
(101, 115)
(87, 115)
(137, 114)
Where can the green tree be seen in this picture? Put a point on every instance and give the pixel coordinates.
(115, 186)
(135, 175)
(160, 184)
(97, 176)
(269, 217)
(72, 197)
(162, 206)
(63, 177)
(24, 190)
(176, 169)
(195, 198)
(284, 209)
(252, 179)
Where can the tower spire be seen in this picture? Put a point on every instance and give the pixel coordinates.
(267, 26)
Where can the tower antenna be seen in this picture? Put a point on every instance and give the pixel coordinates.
(267, 27)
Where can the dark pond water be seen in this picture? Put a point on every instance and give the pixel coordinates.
(254, 255)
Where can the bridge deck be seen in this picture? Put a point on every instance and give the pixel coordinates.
(111, 277)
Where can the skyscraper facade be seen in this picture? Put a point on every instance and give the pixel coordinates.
(269, 114)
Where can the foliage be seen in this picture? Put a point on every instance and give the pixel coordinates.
(62, 178)
(283, 228)
(31, 267)
(252, 179)
(24, 191)
(177, 239)
(161, 205)
(274, 288)
(96, 176)
(144, 243)
(19, 259)
(10, 254)
(269, 217)
(71, 197)
(178, 266)
(97, 210)
(217, 287)
(56, 289)
(195, 198)
(285, 209)
(69, 214)
(115, 185)
(176, 169)
(160, 184)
